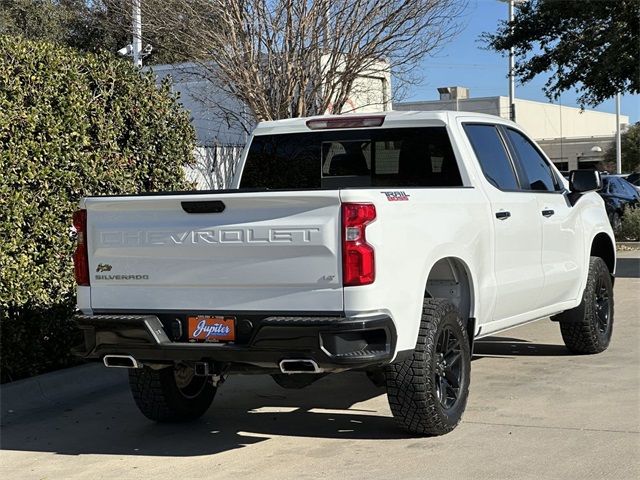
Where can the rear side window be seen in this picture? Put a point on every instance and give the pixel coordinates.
(537, 170)
(419, 157)
(493, 157)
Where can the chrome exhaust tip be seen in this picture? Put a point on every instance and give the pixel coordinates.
(121, 361)
(296, 365)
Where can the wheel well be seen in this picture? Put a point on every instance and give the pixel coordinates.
(602, 247)
(450, 278)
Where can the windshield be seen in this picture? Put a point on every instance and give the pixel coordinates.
(418, 157)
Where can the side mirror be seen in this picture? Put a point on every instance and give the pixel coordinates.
(583, 181)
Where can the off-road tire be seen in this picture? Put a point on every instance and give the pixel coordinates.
(159, 398)
(580, 327)
(412, 388)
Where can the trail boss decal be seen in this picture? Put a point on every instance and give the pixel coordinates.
(204, 328)
(397, 196)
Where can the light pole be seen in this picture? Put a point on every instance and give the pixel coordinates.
(512, 81)
(512, 64)
(134, 49)
(618, 137)
(136, 45)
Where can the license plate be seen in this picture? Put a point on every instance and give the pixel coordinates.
(205, 328)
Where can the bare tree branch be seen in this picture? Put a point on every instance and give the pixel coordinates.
(289, 58)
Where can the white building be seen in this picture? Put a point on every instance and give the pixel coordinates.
(371, 90)
(572, 138)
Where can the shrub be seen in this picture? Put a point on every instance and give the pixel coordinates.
(71, 125)
(630, 227)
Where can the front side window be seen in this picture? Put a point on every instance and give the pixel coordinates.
(494, 160)
(536, 169)
(628, 189)
(403, 157)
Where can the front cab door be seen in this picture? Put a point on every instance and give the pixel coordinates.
(562, 236)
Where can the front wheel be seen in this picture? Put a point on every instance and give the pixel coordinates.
(588, 327)
(428, 392)
(172, 394)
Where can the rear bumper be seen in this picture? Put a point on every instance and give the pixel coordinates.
(334, 343)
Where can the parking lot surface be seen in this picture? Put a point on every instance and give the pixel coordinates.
(535, 411)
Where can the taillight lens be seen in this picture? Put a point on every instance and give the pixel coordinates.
(358, 258)
(81, 256)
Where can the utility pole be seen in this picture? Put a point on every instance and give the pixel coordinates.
(137, 34)
(618, 137)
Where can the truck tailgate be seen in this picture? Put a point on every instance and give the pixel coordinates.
(265, 251)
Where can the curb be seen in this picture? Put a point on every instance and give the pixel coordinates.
(58, 387)
(633, 245)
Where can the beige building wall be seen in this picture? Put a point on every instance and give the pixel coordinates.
(547, 120)
(488, 105)
(570, 137)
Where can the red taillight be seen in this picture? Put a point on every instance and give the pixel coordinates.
(80, 256)
(358, 262)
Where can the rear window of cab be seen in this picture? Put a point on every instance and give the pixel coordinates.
(402, 157)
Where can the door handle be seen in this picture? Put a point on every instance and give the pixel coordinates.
(502, 215)
(547, 213)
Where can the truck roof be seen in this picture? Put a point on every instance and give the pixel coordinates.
(393, 118)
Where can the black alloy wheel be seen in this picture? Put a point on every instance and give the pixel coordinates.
(448, 372)
(602, 305)
(188, 384)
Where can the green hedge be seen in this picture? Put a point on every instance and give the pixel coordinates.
(630, 226)
(71, 125)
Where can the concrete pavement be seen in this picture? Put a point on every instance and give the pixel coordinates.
(535, 412)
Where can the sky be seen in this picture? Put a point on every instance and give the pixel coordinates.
(464, 62)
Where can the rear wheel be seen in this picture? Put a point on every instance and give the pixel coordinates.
(588, 327)
(171, 394)
(428, 392)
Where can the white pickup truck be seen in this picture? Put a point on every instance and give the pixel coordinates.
(384, 243)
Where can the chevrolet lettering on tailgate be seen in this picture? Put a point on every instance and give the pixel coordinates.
(295, 235)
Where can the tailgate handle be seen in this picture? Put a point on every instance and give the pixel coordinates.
(207, 206)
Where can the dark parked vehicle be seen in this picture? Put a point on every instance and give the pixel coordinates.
(617, 194)
(634, 179)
